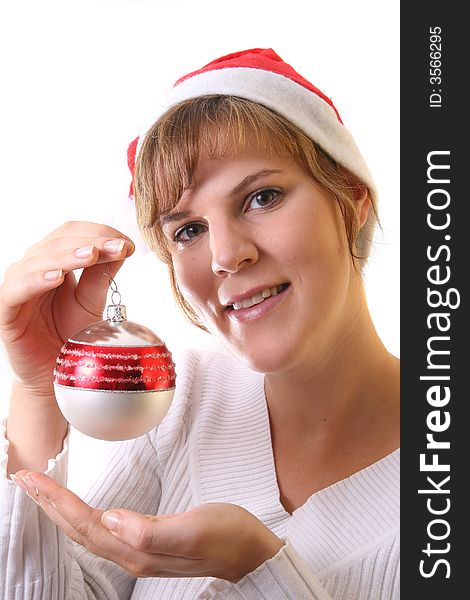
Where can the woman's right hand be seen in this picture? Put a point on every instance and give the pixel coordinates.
(42, 304)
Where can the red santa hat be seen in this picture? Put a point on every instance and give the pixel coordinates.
(262, 76)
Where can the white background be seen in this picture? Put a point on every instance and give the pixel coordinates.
(79, 80)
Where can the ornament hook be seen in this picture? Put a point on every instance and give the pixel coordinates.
(116, 312)
(114, 288)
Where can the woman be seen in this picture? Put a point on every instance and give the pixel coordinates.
(272, 476)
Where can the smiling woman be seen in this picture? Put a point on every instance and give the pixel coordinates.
(217, 126)
(275, 473)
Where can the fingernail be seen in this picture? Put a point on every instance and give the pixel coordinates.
(114, 246)
(84, 252)
(53, 275)
(110, 520)
(30, 484)
(18, 482)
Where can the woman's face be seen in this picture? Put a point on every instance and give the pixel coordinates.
(261, 256)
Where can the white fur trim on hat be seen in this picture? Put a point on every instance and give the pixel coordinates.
(313, 115)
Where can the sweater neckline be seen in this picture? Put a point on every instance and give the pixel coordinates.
(344, 483)
(363, 477)
(363, 474)
(233, 426)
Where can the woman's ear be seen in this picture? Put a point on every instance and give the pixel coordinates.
(362, 199)
(361, 195)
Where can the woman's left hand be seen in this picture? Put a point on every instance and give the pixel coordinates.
(218, 539)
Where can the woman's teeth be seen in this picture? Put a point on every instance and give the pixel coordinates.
(259, 297)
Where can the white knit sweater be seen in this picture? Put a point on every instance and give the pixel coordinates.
(213, 446)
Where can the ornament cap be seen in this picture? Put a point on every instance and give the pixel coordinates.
(116, 313)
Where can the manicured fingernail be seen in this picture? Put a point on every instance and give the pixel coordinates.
(84, 252)
(53, 275)
(19, 482)
(110, 520)
(114, 246)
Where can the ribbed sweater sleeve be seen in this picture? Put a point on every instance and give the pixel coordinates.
(283, 577)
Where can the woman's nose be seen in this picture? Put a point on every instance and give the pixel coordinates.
(233, 247)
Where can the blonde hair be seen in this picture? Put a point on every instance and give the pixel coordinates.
(226, 125)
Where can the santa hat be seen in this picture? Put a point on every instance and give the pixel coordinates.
(262, 76)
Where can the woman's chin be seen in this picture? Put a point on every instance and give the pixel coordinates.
(263, 359)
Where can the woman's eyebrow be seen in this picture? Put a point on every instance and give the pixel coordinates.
(175, 216)
(249, 179)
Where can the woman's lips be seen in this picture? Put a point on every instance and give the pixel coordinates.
(257, 306)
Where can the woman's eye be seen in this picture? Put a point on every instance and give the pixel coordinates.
(188, 232)
(263, 198)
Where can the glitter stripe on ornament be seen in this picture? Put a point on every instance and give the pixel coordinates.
(114, 355)
(70, 363)
(102, 379)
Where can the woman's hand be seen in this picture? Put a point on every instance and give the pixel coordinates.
(218, 540)
(42, 304)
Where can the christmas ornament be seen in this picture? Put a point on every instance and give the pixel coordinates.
(115, 379)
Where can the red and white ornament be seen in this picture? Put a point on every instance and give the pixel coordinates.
(115, 379)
